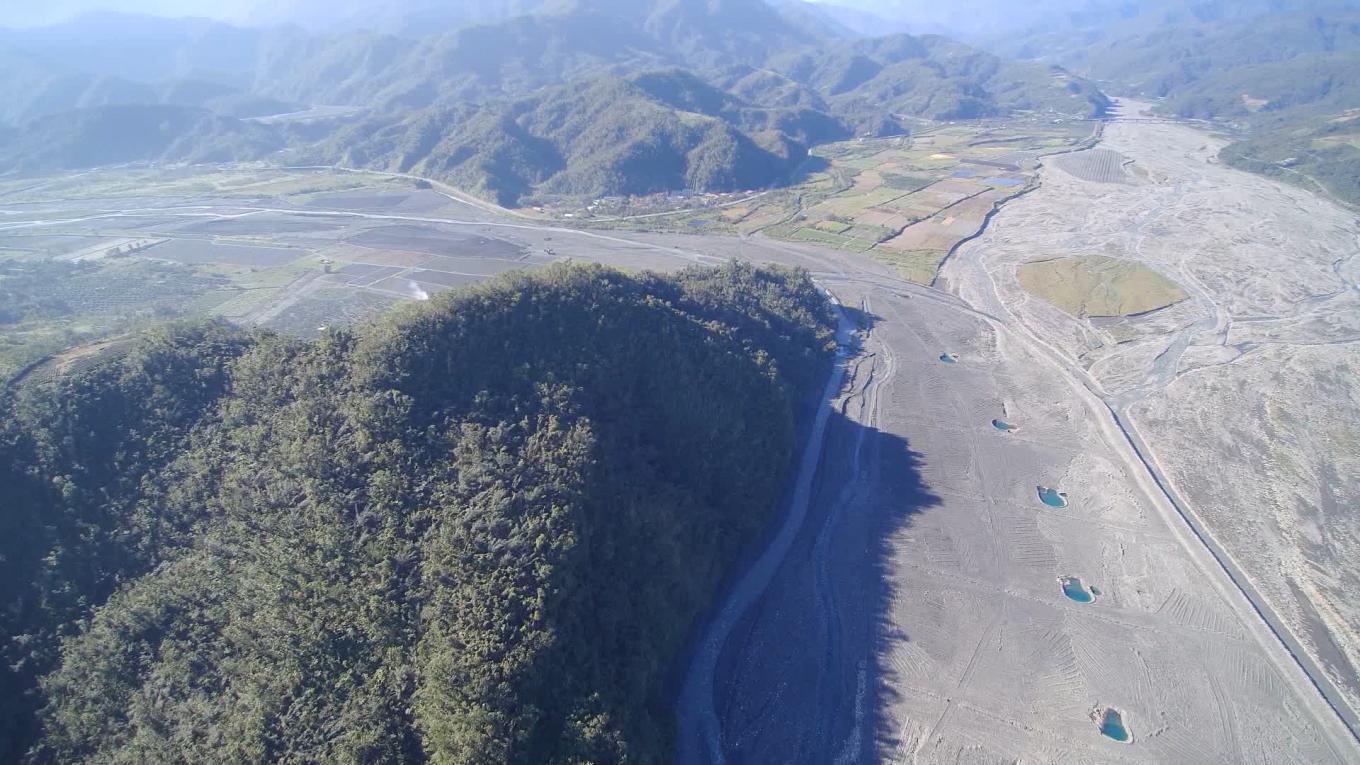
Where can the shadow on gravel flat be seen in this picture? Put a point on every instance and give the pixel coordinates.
(903, 495)
(799, 679)
(863, 319)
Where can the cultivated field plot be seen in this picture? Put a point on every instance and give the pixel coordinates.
(292, 250)
(1096, 165)
(48, 305)
(415, 238)
(239, 181)
(201, 251)
(54, 246)
(330, 307)
(274, 223)
(906, 202)
(393, 198)
(1094, 285)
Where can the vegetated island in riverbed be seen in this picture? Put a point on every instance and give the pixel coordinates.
(1094, 285)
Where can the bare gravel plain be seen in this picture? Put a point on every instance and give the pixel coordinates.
(1244, 398)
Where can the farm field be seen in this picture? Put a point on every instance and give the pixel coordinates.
(906, 201)
(1096, 165)
(1094, 285)
(197, 181)
(46, 306)
(89, 256)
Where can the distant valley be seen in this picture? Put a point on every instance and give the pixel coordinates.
(585, 98)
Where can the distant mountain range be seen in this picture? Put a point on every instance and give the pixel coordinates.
(525, 99)
(123, 134)
(1006, 25)
(1283, 76)
(589, 97)
(1234, 66)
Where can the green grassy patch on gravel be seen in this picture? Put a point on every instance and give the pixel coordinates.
(1094, 285)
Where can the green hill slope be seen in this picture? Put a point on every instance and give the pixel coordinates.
(1280, 76)
(1205, 68)
(112, 135)
(598, 136)
(582, 97)
(1320, 153)
(864, 81)
(479, 532)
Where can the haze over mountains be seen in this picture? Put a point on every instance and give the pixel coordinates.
(720, 95)
(1283, 76)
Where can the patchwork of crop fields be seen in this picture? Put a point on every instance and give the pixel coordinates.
(85, 257)
(1096, 165)
(906, 201)
(302, 249)
(257, 181)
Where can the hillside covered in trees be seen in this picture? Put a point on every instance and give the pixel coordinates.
(1278, 77)
(479, 531)
(517, 101)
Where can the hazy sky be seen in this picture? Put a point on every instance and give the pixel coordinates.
(24, 13)
(36, 12)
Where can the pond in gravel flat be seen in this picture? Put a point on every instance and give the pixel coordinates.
(1073, 589)
(949, 358)
(1003, 426)
(1112, 726)
(1052, 497)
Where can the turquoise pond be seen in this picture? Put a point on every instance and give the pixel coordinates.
(1052, 497)
(949, 358)
(1003, 426)
(1113, 727)
(1072, 588)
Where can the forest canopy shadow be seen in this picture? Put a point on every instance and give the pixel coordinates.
(809, 167)
(904, 494)
(796, 680)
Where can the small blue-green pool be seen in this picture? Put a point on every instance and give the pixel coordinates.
(1073, 589)
(1112, 726)
(1003, 426)
(949, 358)
(1052, 497)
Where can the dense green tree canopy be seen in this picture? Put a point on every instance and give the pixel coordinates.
(477, 532)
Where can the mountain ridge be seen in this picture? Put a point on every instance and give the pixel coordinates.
(705, 94)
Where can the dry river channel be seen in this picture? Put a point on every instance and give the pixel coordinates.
(921, 602)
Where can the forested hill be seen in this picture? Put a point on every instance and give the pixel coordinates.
(1280, 77)
(477, 532)
(541, 100)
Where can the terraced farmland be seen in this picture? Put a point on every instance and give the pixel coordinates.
(906, 201)
(1095, 165)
